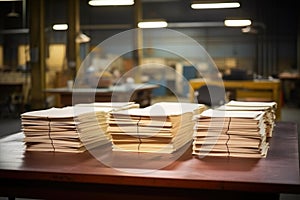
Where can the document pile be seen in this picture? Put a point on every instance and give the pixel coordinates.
(68, 129)
(268, 107)
(92, 118)
(238, 129)
(160, 128)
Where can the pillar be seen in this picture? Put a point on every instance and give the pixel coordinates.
(73, 48)
(37, 53)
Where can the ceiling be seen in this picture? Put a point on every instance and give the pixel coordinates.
(278, 18)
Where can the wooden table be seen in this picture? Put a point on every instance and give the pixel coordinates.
(256, 90)
(75, 176)
(139, 93)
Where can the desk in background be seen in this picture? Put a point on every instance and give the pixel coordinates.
(139, 93)
(255, 90)
(290, 88)
(76, 176)
(12, 97)
(15, 87)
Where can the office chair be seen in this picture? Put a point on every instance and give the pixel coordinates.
(211, 95)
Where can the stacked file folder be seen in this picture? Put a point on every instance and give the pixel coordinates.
(161, 128)
(68, 129)
(92, 118)
(234, 130)
(268, 107)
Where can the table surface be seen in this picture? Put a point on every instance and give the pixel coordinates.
(278, 172)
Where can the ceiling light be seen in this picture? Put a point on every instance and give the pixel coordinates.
(215, 5)
(237, 22)
(13, 13)
(111, 2)
(60, 27)
(82, 38)
(249, 29)
(153, 24)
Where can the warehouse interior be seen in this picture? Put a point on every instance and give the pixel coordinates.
(34, 57)
(47, 58)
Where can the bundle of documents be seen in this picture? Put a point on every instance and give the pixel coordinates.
(68, 129)
(268, 107)
(230, 133)
(92, 117)
(160, 128)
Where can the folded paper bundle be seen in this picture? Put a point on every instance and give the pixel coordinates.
(160, 128)
(237, 129)
(268, 107)
(68, 129)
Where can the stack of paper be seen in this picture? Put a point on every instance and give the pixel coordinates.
(230, 133)
(92, 118)
(52, 129)
(160, 128)
(68, 129)
(268, 107)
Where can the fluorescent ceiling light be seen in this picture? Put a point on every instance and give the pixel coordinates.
(60, 27)
(153, 24)
(237, 22)
(111, 2)
(215, 5)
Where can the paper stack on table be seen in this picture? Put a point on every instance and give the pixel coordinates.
(68, 129)
(160, 128)
(91, 117)
(268, 107)
(52, 129)
(230, 133)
